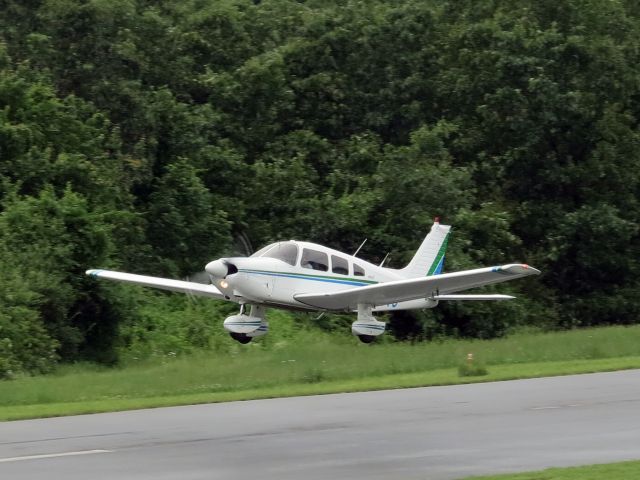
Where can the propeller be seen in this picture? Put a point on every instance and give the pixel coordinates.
(200, 277)
(217, 272)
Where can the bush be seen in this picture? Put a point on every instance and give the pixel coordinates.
(472, 368)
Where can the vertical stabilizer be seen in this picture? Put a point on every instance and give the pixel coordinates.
(429, 259)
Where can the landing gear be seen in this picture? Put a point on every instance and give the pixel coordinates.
(366, 338)
(240, 337)
(243, 328)
(366, 327)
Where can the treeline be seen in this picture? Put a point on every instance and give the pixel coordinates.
(153, 136)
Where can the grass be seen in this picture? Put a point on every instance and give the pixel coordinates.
(313, 365)
(614, 471)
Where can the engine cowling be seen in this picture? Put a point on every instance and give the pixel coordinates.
(222, 273)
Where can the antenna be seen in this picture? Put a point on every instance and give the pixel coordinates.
(361, 245)
(384, 259)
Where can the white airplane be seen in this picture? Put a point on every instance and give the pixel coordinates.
(305, 276)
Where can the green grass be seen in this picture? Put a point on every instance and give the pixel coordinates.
(613, 471)
(313, 365)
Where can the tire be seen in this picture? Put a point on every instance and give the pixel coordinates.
(366, 338)
(240, 337)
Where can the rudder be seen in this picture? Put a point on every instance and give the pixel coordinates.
(429, 259)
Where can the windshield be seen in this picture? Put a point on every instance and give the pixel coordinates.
(285, 251)
(260, 252)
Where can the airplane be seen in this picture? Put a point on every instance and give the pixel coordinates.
(305, 276)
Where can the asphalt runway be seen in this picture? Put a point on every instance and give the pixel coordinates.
(422, 433)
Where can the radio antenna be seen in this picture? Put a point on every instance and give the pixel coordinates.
(361, 245)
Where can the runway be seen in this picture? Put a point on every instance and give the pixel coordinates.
(422, 433)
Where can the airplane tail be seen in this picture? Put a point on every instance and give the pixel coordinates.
(429, 259)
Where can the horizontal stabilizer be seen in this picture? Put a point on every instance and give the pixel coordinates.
(157, 282)
(474, 297)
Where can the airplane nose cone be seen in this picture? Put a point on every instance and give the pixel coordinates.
(217, 268)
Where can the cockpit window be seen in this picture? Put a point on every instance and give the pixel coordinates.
(339, 265)
(285, 251)
(314, 260)
(358, 270)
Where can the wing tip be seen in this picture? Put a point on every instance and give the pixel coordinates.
(529, 269)
(519, 269)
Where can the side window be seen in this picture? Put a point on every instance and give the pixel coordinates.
(339, 265)
(358, 270)
(314, 260)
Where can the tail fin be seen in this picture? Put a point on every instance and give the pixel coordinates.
(429, 259)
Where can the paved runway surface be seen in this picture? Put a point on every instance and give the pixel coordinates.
(423, 433)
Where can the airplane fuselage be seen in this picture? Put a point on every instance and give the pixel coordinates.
(308, 268)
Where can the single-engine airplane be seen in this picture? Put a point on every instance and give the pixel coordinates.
(305, 276)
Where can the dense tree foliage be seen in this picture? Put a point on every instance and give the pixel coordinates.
(152, 136)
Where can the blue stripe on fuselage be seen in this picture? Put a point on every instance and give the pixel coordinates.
(304, 277)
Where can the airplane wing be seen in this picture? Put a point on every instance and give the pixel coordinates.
(415, 288)
(161, 283)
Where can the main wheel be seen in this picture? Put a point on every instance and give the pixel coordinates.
(240, 337)
(366, 338)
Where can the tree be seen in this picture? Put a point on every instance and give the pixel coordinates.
(48, 242)
(186, 229)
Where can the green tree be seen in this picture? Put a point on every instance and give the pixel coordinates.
(48, 242)
(25, 344)
(186, 229)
